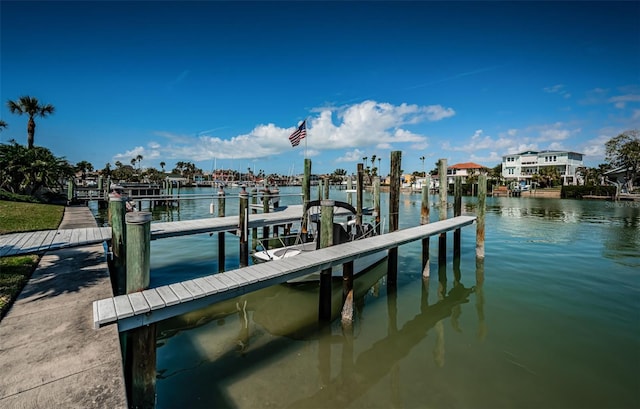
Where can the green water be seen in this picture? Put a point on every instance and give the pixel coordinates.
(550, 320)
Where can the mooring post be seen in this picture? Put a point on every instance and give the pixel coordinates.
(326, 240)
(424, 219)
(243, 227)
(141, 342)
(118, 238)
(359, 189)
(394, 209)
(320, 188)
(349, 188)
(442, 242)
(457, 211)
(306, 196)
(326, 188)
(221, 246)
(482, 197)
(265, 209)
(376, 204)
(70, 191)
(254, 210)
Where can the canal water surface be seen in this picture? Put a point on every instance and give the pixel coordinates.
(551, 319)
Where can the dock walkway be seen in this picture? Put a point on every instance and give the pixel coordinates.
(73, 236)
(156, 304)
(50, 358)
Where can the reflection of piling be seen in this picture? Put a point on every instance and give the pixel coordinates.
(118, 236)
(326, 240)
(141, 343)
(442, 240)
(243, 227)
(394, 208)
(221, 246)
(457, 211)
(424, 219)
(482, 325)
(482, 196)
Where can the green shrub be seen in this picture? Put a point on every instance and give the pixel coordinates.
(578, 192)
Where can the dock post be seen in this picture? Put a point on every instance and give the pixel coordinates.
(326, 188)
(141, 344)
(376, 203)
(70, 191)
(306, 196)
(424, 219)
(221, 246)
(320, 188)
(394, 208)
(265, 209)
(349, 188)
(244, 227)
(326, 240)
(118, 237)
(254, 210)
(457, 211)
(359, 189)
(482, 196)
(442, 190)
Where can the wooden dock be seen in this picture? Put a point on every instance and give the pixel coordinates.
(47, 240)
(145, 307)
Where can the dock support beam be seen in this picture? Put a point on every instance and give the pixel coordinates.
(326, 240)
(442, 190)
(243, 227)
(482, 197)
(141, 344)
(118, 236)
(394, 209)
(376, 204)
(424, 219)
(221, 246)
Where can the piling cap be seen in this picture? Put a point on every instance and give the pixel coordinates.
(116, 197)
(327, 202)
(137, 217)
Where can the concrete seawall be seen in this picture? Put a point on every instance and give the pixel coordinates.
(50, 354)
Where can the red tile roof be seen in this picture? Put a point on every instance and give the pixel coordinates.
(466, 165)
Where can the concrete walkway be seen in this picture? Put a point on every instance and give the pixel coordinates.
(50, 355)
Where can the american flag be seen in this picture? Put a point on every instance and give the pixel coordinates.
(298, 134)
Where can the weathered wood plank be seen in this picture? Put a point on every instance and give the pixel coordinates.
(182, 293)
(205, 286)
(167, 295)
(139, 303)
(193, 288)
(105, 310)
(123, 307)
(153, 299)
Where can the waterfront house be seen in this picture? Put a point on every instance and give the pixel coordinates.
(523, 166)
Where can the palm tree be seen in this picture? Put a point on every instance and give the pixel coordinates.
(30, 106)
(3, 124)
(139, 159)
(162, 165)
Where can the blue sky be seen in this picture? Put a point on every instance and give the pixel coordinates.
(226, 83)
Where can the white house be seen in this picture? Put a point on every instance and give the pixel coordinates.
(522, 166)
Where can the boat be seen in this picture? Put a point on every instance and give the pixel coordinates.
(345, 229)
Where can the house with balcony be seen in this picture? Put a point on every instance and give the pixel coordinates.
(523, 166)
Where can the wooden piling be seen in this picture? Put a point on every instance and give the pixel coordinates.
(326, 188)
(349, 188)
(306, 196)
(243, 227)
(320, 189)
(141, 344)
(221, 246)
(118, 237)
(457, 211)
(424, 219)
(70, 191)
(326, 240)
(394, 209)
(254, 231)
(138, 250)
(482, 197)
(265, 209)
(359, 190)
(442, 239)
(376, 204)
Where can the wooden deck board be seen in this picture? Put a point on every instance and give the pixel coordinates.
(139, 303)
(153, 299)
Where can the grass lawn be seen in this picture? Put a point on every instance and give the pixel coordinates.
(18, 217)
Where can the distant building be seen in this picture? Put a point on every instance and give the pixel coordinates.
(459, 170)
(522, 166)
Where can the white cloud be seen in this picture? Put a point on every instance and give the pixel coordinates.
(621, 101)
